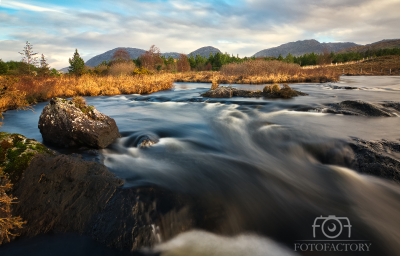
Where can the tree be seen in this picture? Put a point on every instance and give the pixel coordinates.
(151, 58)
(29, 56)
(121, 54)
(289, 58)
(3, 67)
(183, 63)
(280, 58)
(44, 67)
(77, 64)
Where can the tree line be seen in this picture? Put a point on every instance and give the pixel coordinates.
(328, 58)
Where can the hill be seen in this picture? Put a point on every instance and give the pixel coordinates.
(383, 44)
(205, 51)
(96, 60)
(135, 53)
(301, 47)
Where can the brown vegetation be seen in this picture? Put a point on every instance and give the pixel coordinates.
(385, 65)
(121, 54)
(21, 91)
(151, 59)
(7, 221)
(260, 72)
(122, 69)
(183, 63)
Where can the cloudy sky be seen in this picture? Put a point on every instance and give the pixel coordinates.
(244, 27)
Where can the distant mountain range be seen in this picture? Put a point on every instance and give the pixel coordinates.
(302, 47)
(135, 53)
(386, 43)
(296, 48)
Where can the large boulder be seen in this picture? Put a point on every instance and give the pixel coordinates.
(64, 124)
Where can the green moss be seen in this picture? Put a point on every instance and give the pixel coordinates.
(17, 165)
(14, 156)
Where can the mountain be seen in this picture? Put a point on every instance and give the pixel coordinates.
(386, 43)
(135, 53)
(174, 55)
(301, 47)
(96, 60)
(205, 51)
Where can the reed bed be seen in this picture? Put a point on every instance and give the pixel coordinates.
(19, 92)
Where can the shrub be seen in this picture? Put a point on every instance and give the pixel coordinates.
(142, 71)
(122, 69)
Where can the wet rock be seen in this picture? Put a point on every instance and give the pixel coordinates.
(220, 92)
(358, 108)
(392, 105)
(64, 124)
(378, 158)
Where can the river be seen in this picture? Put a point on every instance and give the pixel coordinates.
(260, 159)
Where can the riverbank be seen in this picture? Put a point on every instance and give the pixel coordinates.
(21, 91)
(380, 66)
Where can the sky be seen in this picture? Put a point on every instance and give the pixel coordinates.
(244, 27)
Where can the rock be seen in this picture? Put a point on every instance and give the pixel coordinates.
(378, 158)
(220, 92)
(64, 124)
(358, 108)
(66, 194)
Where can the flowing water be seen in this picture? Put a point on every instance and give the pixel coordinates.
(271, 166)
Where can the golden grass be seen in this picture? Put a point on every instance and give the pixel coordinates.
(385, 65)
(21, 91)
(320, 75)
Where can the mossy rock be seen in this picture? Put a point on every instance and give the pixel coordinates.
(16, 152)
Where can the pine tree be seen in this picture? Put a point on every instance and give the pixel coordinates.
(77, 64)
(44, 67)
(29, 56)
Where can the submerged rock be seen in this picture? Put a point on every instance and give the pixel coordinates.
(359, 108)
(64, 124)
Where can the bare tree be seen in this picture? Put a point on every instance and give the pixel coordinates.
(121, 54)
(29, 55)
(183, 63)
(151, 58)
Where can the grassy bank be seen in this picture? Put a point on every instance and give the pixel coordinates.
(385, 65)
(20, 91)
(260, 72)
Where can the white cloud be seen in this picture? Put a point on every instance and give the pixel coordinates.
(22, 6)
